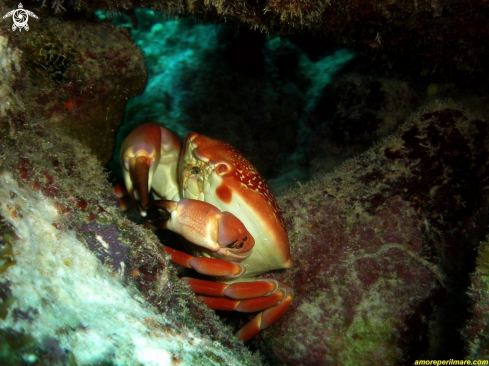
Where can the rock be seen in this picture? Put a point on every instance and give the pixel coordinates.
(356, 111)
(80, 284)
(75, 286)
(443, 38)
(476, 331)
(376, 261)
(76, 74)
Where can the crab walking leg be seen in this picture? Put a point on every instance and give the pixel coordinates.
(269, 295)
(206, 266)
(245, 306)
(120, 190)
(272, 306)
(235, 291)
(265, 318)
(125, 201)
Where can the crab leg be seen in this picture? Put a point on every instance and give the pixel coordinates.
(271, 297)
(245, 306)
(125, 201)
(236, 291)
(272, 306)
(265, 318)
(206, 266)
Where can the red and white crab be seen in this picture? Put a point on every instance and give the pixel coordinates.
(219, 203)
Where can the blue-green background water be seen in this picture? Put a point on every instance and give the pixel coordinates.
(255, 91)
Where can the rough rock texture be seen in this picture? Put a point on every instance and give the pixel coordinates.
(80, 284)
(441, 37)
(353, 112)
(382, 247)
(76, 75)
(476, 332)
(60, 305)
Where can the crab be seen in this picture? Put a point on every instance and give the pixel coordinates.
(222, 208)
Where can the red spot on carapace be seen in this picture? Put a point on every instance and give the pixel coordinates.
(224, 193)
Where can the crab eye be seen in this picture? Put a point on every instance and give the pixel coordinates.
(195, 170)
(222, 169)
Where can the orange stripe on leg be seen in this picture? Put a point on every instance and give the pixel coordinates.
(207, 266)
(217, 267)
(250, 329)
(264, 319)
(260, 303)
(178, 257)
(235, 291)
(120, 190)
(209, 288)
(219, 303)
(271, 315)
(250, 290)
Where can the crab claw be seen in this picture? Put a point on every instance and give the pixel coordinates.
(150, 152)
(206, 226)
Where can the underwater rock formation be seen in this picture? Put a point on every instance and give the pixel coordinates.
(442, 37)
(76, 75)
(476, 333)
(355, 111)
(377, 245)
(61, 306)
(381, 244)
(79, 284)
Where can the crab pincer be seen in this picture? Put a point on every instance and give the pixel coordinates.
(149, 157)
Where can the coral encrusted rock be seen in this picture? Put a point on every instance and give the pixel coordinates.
(72, 76)
(440, 37)
(79, 284)
(382, 246)
(476, 333)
